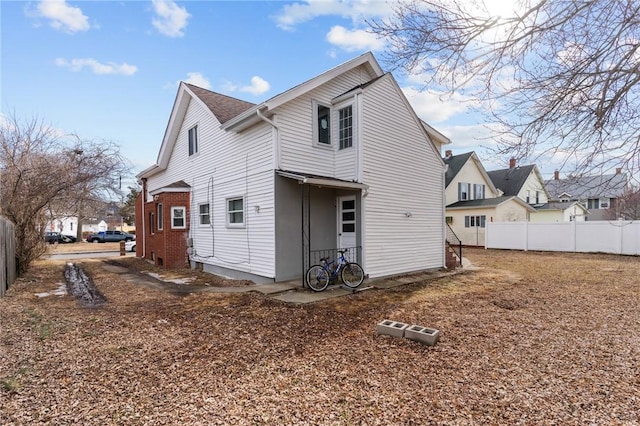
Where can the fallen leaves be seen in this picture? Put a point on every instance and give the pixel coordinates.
(537, 339)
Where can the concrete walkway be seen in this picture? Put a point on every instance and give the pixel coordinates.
(290, 291)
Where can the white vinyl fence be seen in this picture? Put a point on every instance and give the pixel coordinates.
(619, 237)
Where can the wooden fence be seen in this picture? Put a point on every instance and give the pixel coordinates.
(7, 255)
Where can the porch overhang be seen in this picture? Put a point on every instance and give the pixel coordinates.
(322, 181)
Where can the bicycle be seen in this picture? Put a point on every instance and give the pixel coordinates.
(318, 276)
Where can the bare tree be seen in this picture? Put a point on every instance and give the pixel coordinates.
(559, 76)
(627, 206)
(42, 170)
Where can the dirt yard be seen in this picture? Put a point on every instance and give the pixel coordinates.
(530, 338)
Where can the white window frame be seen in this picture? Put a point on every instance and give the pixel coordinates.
(352, 132)
(184, 217)
(231, 224)
(202, 216)
(160, 216)
(467, 186)
(192, 149)
(316, 132)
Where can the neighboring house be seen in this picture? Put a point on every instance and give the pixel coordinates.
(598, 194)
(67, 225)
(258, 191)
(90, 226)
(524, 182)
(560, 212)
(527, 183)
(472, 199)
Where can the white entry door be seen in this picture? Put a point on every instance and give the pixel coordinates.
(347, 224)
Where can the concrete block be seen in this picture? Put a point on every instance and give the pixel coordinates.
(427, 336)
(391, 328)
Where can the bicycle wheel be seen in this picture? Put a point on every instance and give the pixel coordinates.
(352, 275)
(317, 278)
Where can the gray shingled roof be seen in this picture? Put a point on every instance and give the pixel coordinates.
(222, 106)
(584, 187)
(454, 165)
(483, 202)
(555, 205)
(510, 181)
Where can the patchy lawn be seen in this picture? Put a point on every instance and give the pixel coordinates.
(532, 338)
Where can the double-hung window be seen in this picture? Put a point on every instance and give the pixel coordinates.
(464, 191)
(345, 127)
(478, 191)
(475, 221)
(235, 212)
(178, 217)
(193, 141)
(205, 218)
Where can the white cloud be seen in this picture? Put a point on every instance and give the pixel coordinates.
(170, 18)
(357, 10)
(353, 40)
(63, 17)
(436, 107)
(257, 87)
(197, 79)
(97, 67)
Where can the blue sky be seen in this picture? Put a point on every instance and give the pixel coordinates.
(110, 69)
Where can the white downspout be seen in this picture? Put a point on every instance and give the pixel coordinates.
(276, 144)
(144, 219)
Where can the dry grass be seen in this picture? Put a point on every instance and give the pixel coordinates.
(533, 338)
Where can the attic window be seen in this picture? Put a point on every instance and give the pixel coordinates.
(193, 140)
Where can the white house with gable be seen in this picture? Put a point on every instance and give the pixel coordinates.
(263, 191)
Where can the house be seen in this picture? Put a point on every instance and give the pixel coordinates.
(560, 212)
(598, 194)
(67, 225)
(263, 191)
(472, 199)
(524, 182)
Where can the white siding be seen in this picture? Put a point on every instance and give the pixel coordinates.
(533, 184)
(227, 165)
(295, 120)
(405, 175)
(470, 173)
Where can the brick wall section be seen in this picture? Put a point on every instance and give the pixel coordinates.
(451, 258)
(166, 247)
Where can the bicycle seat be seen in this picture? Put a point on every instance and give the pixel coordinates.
(342, 251)
(324, 259)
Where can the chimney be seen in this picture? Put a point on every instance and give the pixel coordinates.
(618, 170)
(448, 154)
(512, 163)
(556, 175)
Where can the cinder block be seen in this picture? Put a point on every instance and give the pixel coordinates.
(392, 328)
(427, 336)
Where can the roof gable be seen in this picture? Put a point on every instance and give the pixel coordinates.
(510, 181)
(455, 163)
(250, 117)
(223, 107)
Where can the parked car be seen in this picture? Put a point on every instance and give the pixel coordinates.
(110, 237)
(130, 245)
(52, 237)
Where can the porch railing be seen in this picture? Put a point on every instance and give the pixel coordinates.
(353, 254)
(454, 243)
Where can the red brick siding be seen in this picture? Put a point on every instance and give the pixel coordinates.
(168, 246)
